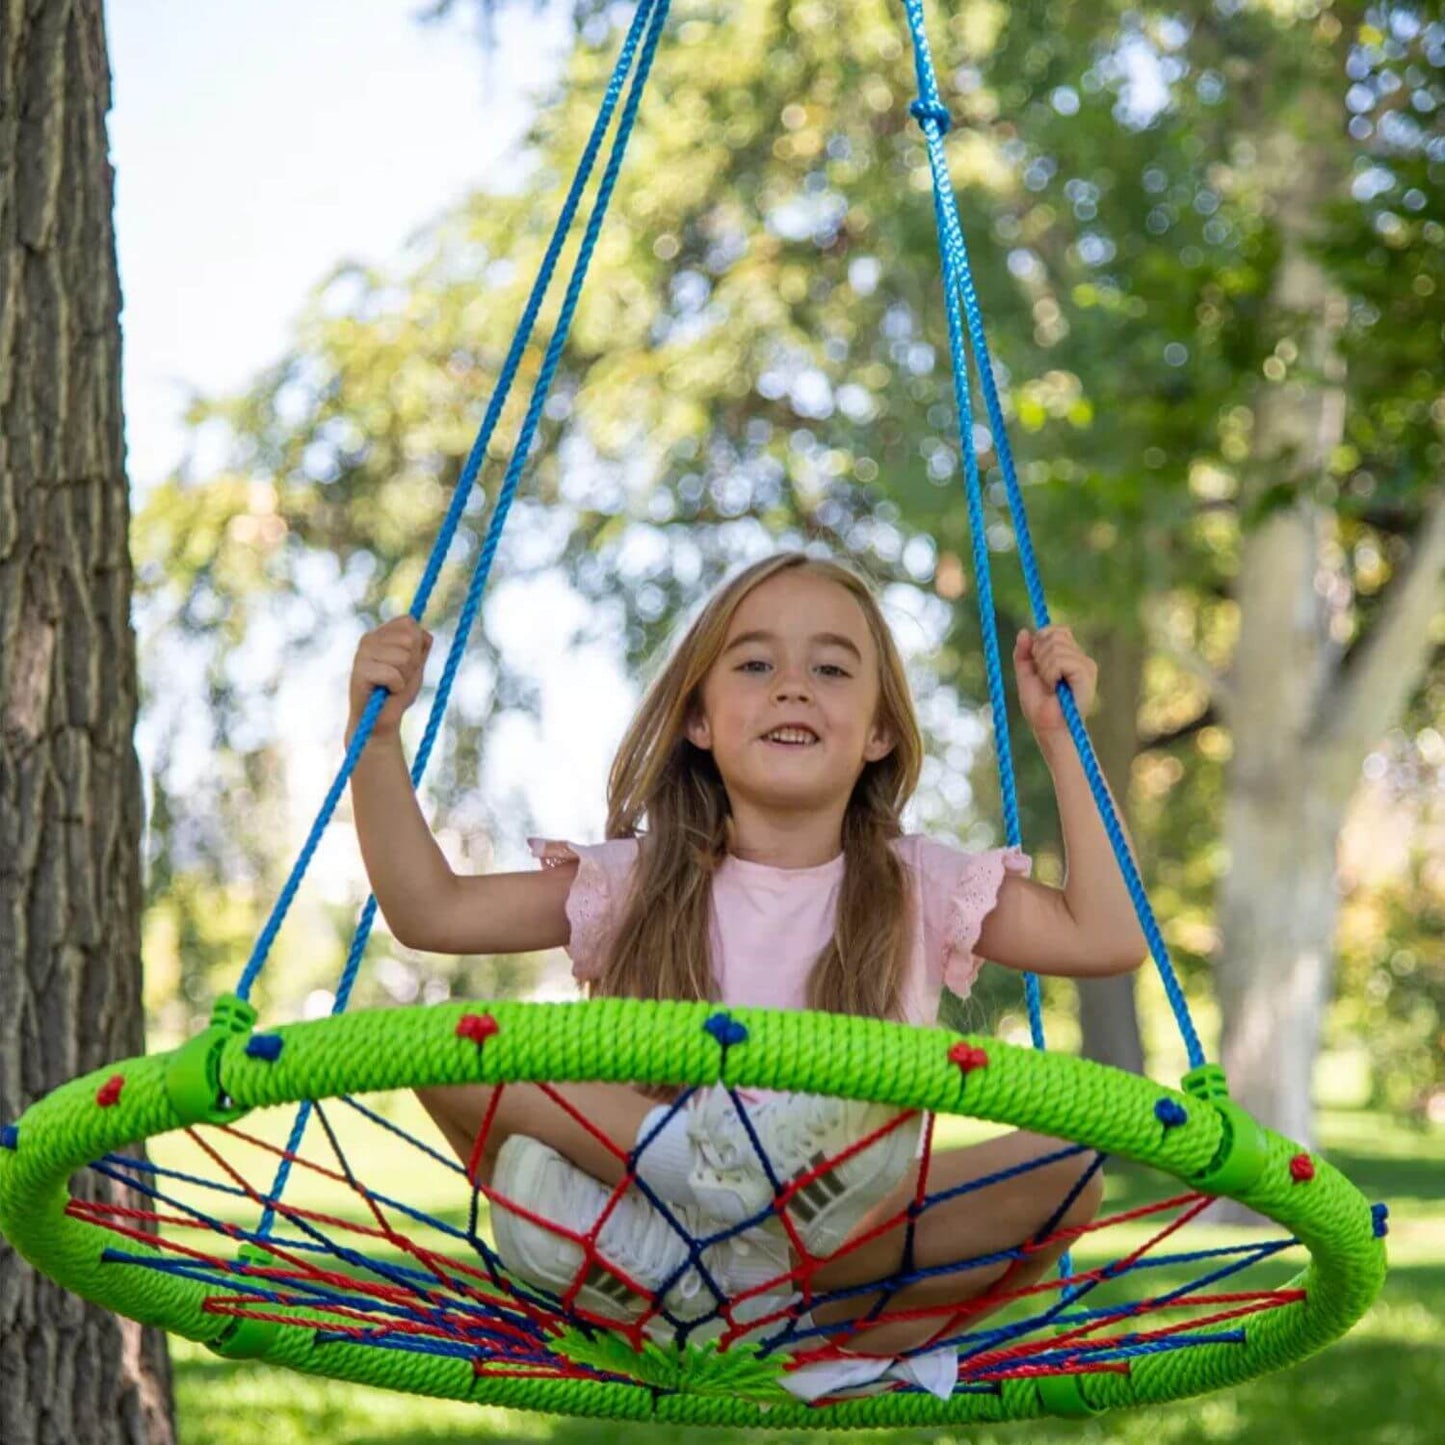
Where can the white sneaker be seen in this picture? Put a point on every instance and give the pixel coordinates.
(752, 1272)
(798, 1133)
(636, 1240)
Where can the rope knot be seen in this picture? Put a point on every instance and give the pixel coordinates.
(477, 1027)
(1301, 1168)
(1379, 1213)
(109, 1092)
(967, 1057)
(10, 1139)
(1171, 1113)
(727, 1031)
(924, 111)
(264, 1046)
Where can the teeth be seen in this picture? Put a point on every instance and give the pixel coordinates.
(791, 735)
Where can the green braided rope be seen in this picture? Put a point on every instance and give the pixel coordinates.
(666, 1043)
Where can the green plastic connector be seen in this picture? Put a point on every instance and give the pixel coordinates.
(245, 1338)
(1060, 1395)
(252, 1253)
(193, 1076)
(1243, 1148)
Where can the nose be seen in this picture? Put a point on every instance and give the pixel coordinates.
(792, 683)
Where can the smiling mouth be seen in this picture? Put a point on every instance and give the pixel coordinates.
(792, 737)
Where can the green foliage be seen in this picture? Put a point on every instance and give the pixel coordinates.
(1392, 960)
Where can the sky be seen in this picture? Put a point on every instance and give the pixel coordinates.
(256, 146)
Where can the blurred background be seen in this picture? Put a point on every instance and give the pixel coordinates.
(760, 359)
(1210, 244)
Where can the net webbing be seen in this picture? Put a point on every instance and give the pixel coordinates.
(394, 1274)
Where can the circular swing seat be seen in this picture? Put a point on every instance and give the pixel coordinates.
(392, 1295)
(365, 1300)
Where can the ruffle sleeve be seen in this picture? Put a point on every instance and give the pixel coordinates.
(596, 898)
(959, 890)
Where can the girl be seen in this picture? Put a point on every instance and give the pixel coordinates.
(755, 856)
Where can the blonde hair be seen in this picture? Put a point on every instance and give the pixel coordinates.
(669, 793)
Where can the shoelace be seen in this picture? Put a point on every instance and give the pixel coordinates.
(800, 1128)
(719, 1135)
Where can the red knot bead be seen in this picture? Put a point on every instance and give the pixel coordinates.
(967, 1057)
(477, 1027)
(1301, 1168)
(109, 1092)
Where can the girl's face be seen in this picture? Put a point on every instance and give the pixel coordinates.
(789, 709)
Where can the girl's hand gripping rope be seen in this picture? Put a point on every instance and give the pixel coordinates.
(392, 656)
(1042, 660)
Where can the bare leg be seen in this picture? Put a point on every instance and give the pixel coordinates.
(998, 1217)
(460, 1111)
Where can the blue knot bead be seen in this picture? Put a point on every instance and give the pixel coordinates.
(727, 1031)
(1379, 1213)
(1171, 1113)
(264, 1046)
(934, 110)
(10, 1137)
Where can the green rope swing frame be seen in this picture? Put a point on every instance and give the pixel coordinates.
(215, 1078)
(1195, 1135)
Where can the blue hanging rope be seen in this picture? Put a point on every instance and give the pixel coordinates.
(646, 30)
(647, 21)
(933, 117)
(964, 315)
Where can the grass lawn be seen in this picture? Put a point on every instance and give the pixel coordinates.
(1384, 1383)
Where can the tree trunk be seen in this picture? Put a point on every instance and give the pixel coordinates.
(1302, 717)
(70, 796)
(1302, 726)
(1277, 901)
(1108, 1015)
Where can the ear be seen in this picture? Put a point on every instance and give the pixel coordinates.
(880, 743)
(698, 732)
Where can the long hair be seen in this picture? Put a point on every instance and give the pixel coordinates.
(669, 793)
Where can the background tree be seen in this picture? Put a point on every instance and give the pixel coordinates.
(70, 796)
(1329, 651)
(759, 356)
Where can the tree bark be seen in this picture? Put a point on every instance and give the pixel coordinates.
(70, 795)
(1300, 721)
(1277, 901)
(1108, 1015)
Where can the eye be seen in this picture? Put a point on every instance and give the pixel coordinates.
(753, 664)
(832, 669)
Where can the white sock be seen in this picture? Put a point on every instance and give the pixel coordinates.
(665, 1159)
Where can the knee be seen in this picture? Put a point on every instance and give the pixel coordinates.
(1090, 1197)
(434, 1101)
(1071, 1178)
(460, 1123)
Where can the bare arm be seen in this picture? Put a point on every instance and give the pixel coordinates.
(1088, 928)
(427, 905)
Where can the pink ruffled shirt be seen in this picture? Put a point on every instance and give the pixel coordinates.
(770, 924)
